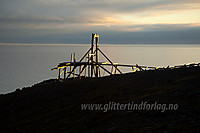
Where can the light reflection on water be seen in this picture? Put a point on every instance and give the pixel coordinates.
(24, 65)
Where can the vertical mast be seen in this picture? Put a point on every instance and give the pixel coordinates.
(92, 55)
(97, 56)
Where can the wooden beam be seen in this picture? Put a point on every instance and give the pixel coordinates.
(81, 71)
(85, 55)
(109, 60)
(105, 70)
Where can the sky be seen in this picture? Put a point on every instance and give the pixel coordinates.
(116, 21)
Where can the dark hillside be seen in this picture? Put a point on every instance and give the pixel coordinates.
(51, 106)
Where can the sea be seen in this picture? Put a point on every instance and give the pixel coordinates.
(23, 65)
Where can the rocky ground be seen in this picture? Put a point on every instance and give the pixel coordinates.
(52, 106)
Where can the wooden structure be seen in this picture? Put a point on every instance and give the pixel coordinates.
(90, 66)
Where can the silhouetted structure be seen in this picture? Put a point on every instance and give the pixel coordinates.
(91, 66)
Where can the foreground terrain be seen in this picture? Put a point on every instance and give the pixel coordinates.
(53, 106)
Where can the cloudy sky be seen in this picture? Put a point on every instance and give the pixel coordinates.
(117, 21)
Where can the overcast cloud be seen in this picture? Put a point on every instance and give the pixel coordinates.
(72, 21)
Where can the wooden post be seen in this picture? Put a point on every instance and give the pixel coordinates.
(132, 68)
(88, 65)
(65, 72)
(116, 70)
(74, 64)
(97, 56)
(112, 70)
(80, 72)
(92, 55)
(70, 65)
(85, 68)
(59, 74)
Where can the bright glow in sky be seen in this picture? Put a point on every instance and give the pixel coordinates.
(168, 18)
